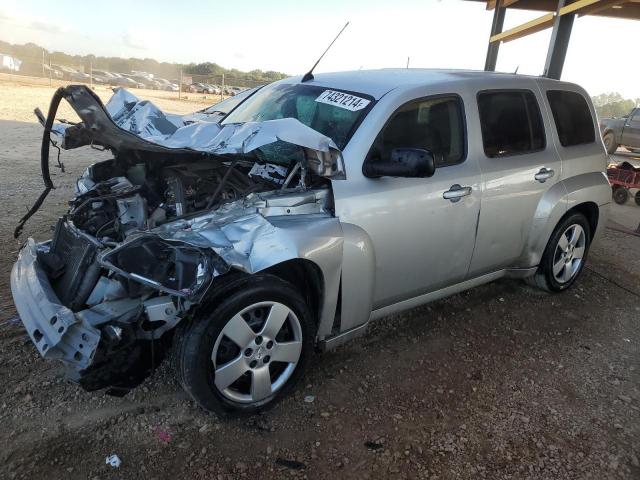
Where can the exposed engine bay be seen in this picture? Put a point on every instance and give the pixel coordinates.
(119, 197)
(150, 230)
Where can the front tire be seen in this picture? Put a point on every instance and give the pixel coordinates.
(565, 255)
(249, 349)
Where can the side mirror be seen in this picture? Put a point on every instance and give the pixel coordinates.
(404, 162)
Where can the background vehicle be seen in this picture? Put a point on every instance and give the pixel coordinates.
(214, 89)
(122, 81)
(71, 74)
(327, 204)
(215, 113)
(143, 82)
(166, 85)
(200, 88)
(623, 132)
(108, 78)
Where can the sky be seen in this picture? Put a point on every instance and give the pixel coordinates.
(288, 36)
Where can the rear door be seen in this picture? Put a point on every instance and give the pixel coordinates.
(631, 132)
(519, 165)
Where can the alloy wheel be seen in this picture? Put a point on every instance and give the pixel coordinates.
(569, 253)
(257, 352)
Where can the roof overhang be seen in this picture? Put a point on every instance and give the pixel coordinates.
(629, 9)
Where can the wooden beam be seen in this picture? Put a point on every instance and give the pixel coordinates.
(525, 29)
(588, 7)
(577, 5)
(601, 6)
(491, 4)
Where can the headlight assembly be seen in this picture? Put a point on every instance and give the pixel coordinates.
(173, 267)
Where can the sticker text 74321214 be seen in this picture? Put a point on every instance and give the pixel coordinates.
(343, 100)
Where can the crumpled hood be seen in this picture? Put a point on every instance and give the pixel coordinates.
(127, 122)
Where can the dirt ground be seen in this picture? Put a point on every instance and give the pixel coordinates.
(500, 382)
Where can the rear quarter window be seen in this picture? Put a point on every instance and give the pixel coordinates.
(572, 117)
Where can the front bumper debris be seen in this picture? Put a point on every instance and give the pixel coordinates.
(54, 329)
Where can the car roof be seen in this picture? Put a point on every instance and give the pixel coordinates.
(378, 82)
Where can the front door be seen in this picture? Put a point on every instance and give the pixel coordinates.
(422, 229)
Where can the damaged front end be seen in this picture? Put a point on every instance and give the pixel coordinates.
(151, 230)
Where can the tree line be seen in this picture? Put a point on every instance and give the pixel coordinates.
(610, 105)
(31, 53)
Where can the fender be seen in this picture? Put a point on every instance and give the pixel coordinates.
(357, 286)
(563, 196)
(358, 277)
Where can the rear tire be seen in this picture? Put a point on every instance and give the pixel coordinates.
(248, 348)
(610, 144)
(620, 195)
(637, 198)
(565, 255)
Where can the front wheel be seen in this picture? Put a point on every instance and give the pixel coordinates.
(249, 350)
(565, 255)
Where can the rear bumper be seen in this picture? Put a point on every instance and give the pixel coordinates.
(54, 329)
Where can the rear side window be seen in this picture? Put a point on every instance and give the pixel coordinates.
(572, 117)
(511, 122)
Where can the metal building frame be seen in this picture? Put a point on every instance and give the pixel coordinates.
(560, 17)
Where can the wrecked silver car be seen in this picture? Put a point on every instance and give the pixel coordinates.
(315, 206)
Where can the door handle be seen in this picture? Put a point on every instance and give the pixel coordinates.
(456, 192)
(544, 174)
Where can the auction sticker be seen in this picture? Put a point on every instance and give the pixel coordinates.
(343, 100)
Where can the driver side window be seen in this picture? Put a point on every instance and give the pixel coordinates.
(435, 124)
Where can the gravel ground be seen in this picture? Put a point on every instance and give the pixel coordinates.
(500, 382)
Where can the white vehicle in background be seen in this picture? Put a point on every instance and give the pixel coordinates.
(9, 63)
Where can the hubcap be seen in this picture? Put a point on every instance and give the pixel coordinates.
(569, 253)
(257, 352)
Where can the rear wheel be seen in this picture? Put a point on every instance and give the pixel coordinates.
(620, 195)
(637, 198)
(565, 254)
(610, 142)
(249, 350)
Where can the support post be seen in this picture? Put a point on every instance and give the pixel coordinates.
(50, 71)
(222, 90)
(91, 74)
(43, 62)
(496, 27)
(180, 87)
(559, 43)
